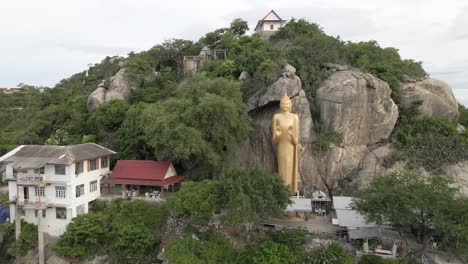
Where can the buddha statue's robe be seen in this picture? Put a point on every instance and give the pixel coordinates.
(286, 137)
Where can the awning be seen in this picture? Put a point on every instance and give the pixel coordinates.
(168, 181)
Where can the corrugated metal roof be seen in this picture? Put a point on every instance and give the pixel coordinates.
(342, 202)
(35, 156)
(347, 217)
(382, 233)
(300, 204)
(352, 219)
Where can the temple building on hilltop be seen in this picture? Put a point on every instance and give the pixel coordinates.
(269, 24)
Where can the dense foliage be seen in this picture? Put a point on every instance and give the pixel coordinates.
(242, 196)
(412, 202)
(27, 240)
(430, 143)
(204, 120)
(127, 231)
(212, 247)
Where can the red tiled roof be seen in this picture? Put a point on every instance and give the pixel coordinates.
(142, 172)
(168, 181)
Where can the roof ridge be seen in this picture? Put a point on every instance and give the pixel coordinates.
(68, 153)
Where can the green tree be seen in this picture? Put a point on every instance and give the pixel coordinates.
(203, 121)
(132, 241)
(270, 252)
(110, 116)
(331, 253)
(239, 26)
(84, 236)
(195, 200)
(247, 195)
(60, 137)
(27, 240)
(210, 248)
(130, 139)
(407, 200)
(463, 120)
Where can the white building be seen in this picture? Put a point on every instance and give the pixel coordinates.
(52, 184)
(269, 24)
(347, 217)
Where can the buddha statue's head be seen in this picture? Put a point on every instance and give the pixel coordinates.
(285, 103)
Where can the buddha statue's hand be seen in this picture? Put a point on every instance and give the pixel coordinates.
(278, 131)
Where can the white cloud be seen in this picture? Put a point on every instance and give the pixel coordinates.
(44, 41)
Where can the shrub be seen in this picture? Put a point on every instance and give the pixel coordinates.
(27, 240)
(84, 236)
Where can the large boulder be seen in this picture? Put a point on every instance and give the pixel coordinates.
(436, 97)
(258, 150)
(358, 106)
(459, 172)
(97, 97)
(119, 88)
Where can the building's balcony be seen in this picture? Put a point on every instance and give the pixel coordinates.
(26, 179)
(34, 203)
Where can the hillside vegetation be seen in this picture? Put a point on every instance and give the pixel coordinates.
(197, 122)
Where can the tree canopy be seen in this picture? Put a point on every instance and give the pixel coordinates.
(411, 202)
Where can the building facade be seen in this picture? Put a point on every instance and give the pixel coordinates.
(269, 24)
(50, 185)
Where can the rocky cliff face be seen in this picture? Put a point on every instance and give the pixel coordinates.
(360, 108)
(119, 89)
(258, 150)
(436, 96)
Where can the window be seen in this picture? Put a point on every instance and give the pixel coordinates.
(61, 212)
(43, 213)
(23, 171)
(39, 191)
(39, 171)
(93, 165)
(272, 27)
(104, 162)
(59, 169)
(79, 168)
(60, 191)
(80, 209)
(79, 190)
(92, 186)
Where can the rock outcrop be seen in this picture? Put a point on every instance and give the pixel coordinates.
(436, 97)
(358, 106)
(258, 150)
(119, 88)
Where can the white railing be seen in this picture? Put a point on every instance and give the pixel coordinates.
(34, 202)
(29, 179)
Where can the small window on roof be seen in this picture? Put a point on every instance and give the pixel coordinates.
(272, 27)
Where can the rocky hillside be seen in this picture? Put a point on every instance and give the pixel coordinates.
(359, 107)
(364, 110)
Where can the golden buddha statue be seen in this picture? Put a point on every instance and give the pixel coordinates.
(286, 137)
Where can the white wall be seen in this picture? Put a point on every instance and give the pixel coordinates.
(276, 26)
(51, 224)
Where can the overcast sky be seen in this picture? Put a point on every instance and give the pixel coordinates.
(42, 42)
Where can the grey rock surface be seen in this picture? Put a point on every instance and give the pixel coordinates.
(358, 106)
(436, 96)
(258, 150)
(119, 88)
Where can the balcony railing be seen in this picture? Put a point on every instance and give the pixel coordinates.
(31, 203)
(29, 179)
